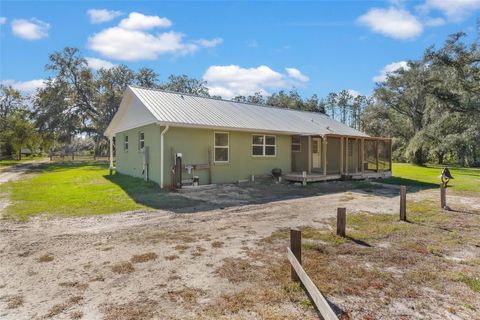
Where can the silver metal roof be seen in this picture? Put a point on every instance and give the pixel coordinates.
(193, 111)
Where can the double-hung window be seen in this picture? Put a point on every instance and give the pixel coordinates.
(125, 143)
(141, 140)
(221, 147)
(264, 146)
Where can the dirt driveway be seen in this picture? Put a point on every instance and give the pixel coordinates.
(159, 265)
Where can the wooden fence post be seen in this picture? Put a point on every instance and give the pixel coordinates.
(403, 203)
(341, 221)
(443, 196)
(296, 248)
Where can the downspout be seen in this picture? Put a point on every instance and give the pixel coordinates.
(162, 144)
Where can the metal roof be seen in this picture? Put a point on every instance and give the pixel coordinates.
(180, 109)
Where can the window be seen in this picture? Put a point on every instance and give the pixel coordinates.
(315, 145)
(141, 140)
(125, 143)
(221, 147)
(296, 144)
(264, 146)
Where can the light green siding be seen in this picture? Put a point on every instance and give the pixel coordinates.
(194, 145)
(131, 162)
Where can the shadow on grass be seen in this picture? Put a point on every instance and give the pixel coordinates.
(149, 194)
(358, 241)
(409, 183)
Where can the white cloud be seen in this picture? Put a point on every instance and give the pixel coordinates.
(130, 45)
(3, 20)
(354, 93)
(209, 43)
(138, 21)
(434, 22)
(29, 86)
(97, 64)
(130, 42)
(230, 81)
(382, 76)
(454, 10)
(296, 74)
(32, 29)
(392, 22)
(102, 15)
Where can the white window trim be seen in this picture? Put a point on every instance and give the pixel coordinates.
(296, 144)
(140, 140)
(225, 147)
(125, 143)
(264, 145)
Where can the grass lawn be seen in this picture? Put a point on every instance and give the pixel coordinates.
(73, 189)
(466, 179)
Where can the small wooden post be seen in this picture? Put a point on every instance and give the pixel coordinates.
(403, 203)
(73, 156)
(341, 221)
(296, 247)
(443, 196)
(304, 178)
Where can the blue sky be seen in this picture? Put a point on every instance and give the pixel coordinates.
(238, 47)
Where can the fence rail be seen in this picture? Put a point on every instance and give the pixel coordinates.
(299, 274)
(78, 157)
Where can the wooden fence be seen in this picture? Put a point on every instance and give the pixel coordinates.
(78, 157)
(294, 253)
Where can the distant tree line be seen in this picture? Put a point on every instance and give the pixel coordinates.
(431, 108)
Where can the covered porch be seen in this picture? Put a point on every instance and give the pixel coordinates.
(334, 157)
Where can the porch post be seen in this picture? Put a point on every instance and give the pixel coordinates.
(341, 155)
(376, 159)
(309, 154)
(110, 155)
(346, 155)
(362, 156)
(324, 162)
(358, 156)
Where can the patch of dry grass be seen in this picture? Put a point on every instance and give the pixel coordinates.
(75, 315)
(181, 247)
(123, 267)
(237, 270)
(131, 311)
(171, 257)
(46, 258)
(217, 244)
(149, 256)
(15, 301)
(61, 307)
(185, 295)
(74, 284)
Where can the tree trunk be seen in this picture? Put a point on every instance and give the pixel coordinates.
(419, 157)
(440, 157)
(20, 153)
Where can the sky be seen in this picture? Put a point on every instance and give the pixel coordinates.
(238, 47)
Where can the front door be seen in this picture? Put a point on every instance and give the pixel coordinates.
(316, 153)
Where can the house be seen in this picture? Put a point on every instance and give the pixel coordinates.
(171, 137)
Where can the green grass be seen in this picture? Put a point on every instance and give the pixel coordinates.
(74, 189)
(466, 179)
